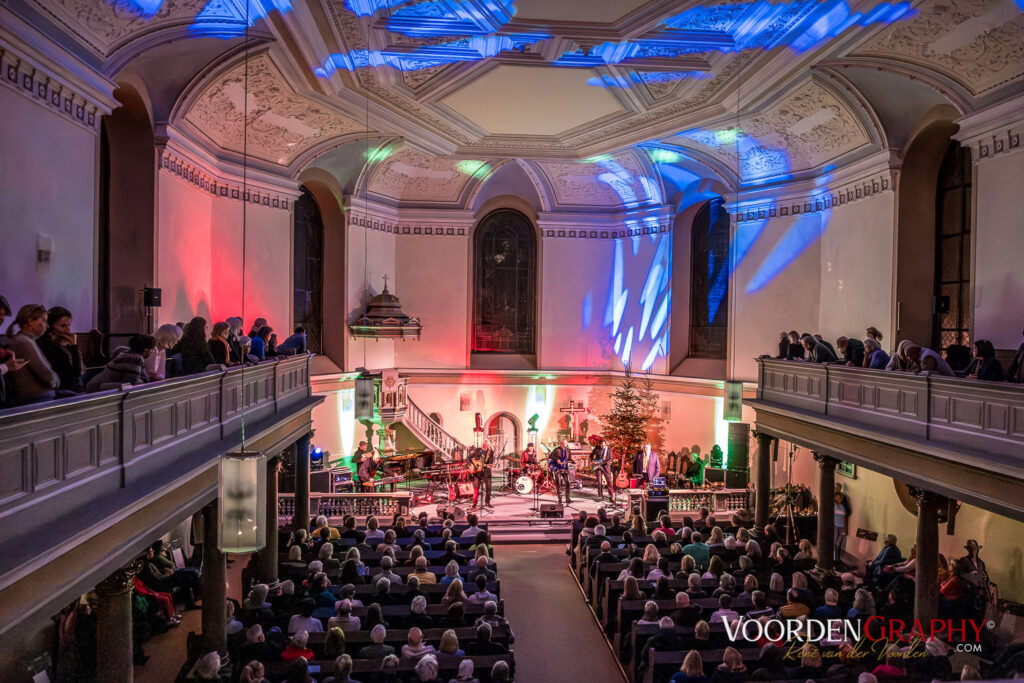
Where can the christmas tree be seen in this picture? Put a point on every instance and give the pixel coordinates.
(649, 403)
(625, 427)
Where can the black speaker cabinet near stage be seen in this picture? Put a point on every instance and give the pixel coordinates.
(551, 510)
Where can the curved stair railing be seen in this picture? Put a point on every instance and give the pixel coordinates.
(427, 430)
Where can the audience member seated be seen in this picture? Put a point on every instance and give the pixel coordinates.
(35, 381)
(491, 616)
(60, 346)
(342, 671)
(922, 359)
(378, 649)
(725, 612)
(418, 615)
(450, 644)
(830, 610)
(874, 356)
(426, 670)
(888, 555)
(985, 366)
(483, 645)
(794, 606)
(220, 348)
(294, 344)
(304, 620)
(259, 342)
(128, 366)
(692, 670)
(732, 669)
(194, 347)
(892, 668)
(297, 648)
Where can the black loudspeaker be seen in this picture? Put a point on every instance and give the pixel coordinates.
(551, 510)
(736, 479)
(459, 514)
(657, 506)
(320, 482)
(739, 446)
(151, 297)
(714, 475)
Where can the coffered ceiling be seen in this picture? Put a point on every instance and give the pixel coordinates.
(545, 79)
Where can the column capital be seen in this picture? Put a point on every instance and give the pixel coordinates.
(927, 498)
(120, 582)
(762, 436)
(825, 461)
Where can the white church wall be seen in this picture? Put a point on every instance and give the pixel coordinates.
(856, 269)
(998, 277)
(776, 285)
(48, 169)
(606, 303)
(199, 255)
(432, 280)
(370, 256)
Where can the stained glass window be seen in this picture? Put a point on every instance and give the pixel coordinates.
(504, 284)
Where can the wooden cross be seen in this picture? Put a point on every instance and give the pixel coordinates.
(572, 411)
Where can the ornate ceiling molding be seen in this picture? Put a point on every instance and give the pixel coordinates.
(30, 75)
(174, 160)
(994, 131)
(282, 124)
(977, 43)
(409, 175)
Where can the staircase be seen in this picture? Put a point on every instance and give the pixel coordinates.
(429, 432)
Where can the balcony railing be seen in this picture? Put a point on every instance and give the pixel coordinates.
(951, 413)
(72, 459)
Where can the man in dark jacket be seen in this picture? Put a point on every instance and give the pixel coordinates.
(852, 350)
(483, 645)
(817, 352)
(665, 640)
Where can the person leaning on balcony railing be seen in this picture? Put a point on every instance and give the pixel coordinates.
(925, 360)
(128, 366)
(852, 349)
(874, 356)
(985, 364)
(193, 347)
(60, 346)
(817, 352)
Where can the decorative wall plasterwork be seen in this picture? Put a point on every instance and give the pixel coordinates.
(612, 182)
(198, 175)
(808, 127)
(826, 200)
(411, 175)
(994, 131)
(282, 124)
(660, 226)
(103, 26)
(978, 43)
(27, 79)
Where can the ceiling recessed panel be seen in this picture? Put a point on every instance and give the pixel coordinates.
(525, 100)
(598, 11)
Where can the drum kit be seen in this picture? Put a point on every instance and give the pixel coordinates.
(524, 479)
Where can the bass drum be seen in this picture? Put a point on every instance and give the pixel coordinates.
(524, 484)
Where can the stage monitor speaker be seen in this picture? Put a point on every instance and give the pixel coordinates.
(714, 475)
(551, 510)
(320, 482)
(739, 446)
(736, 479)
(458, 513)
(151, 297)
(656, 507)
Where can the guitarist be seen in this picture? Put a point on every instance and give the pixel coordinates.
(481, 464)
(601, 458)
(558, 464)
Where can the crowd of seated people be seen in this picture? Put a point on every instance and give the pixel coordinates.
(676, 588)
(40, 358)
(406, 602)
(978, 362)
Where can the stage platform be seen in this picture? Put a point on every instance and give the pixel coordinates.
(513, 517)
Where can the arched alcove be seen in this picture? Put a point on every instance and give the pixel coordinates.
(915, 265)
(127, 201)
(308, 273)
(504, 432)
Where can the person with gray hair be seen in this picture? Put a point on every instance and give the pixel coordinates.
(415, 647)
(650, 615)
(418, 613)
(500, 672)
(465, 673)
(426, 669)
(386, 564)
(343, 618)
(166, 337)
(483, 645)
(492, 617)
(377, 650)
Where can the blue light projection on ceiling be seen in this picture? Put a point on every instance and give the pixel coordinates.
(227, 18)
(146, 8)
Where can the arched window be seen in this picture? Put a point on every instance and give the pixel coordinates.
(505, 285)
(709, 281)
(309, 273)
(951, 324)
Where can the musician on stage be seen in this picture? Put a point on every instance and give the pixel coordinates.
(368, 470)
(601, 459)
(483, 460)
(357, 457)
(558, 464)
(646, 466)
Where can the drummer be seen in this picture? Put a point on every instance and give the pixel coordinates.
(529, 458)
